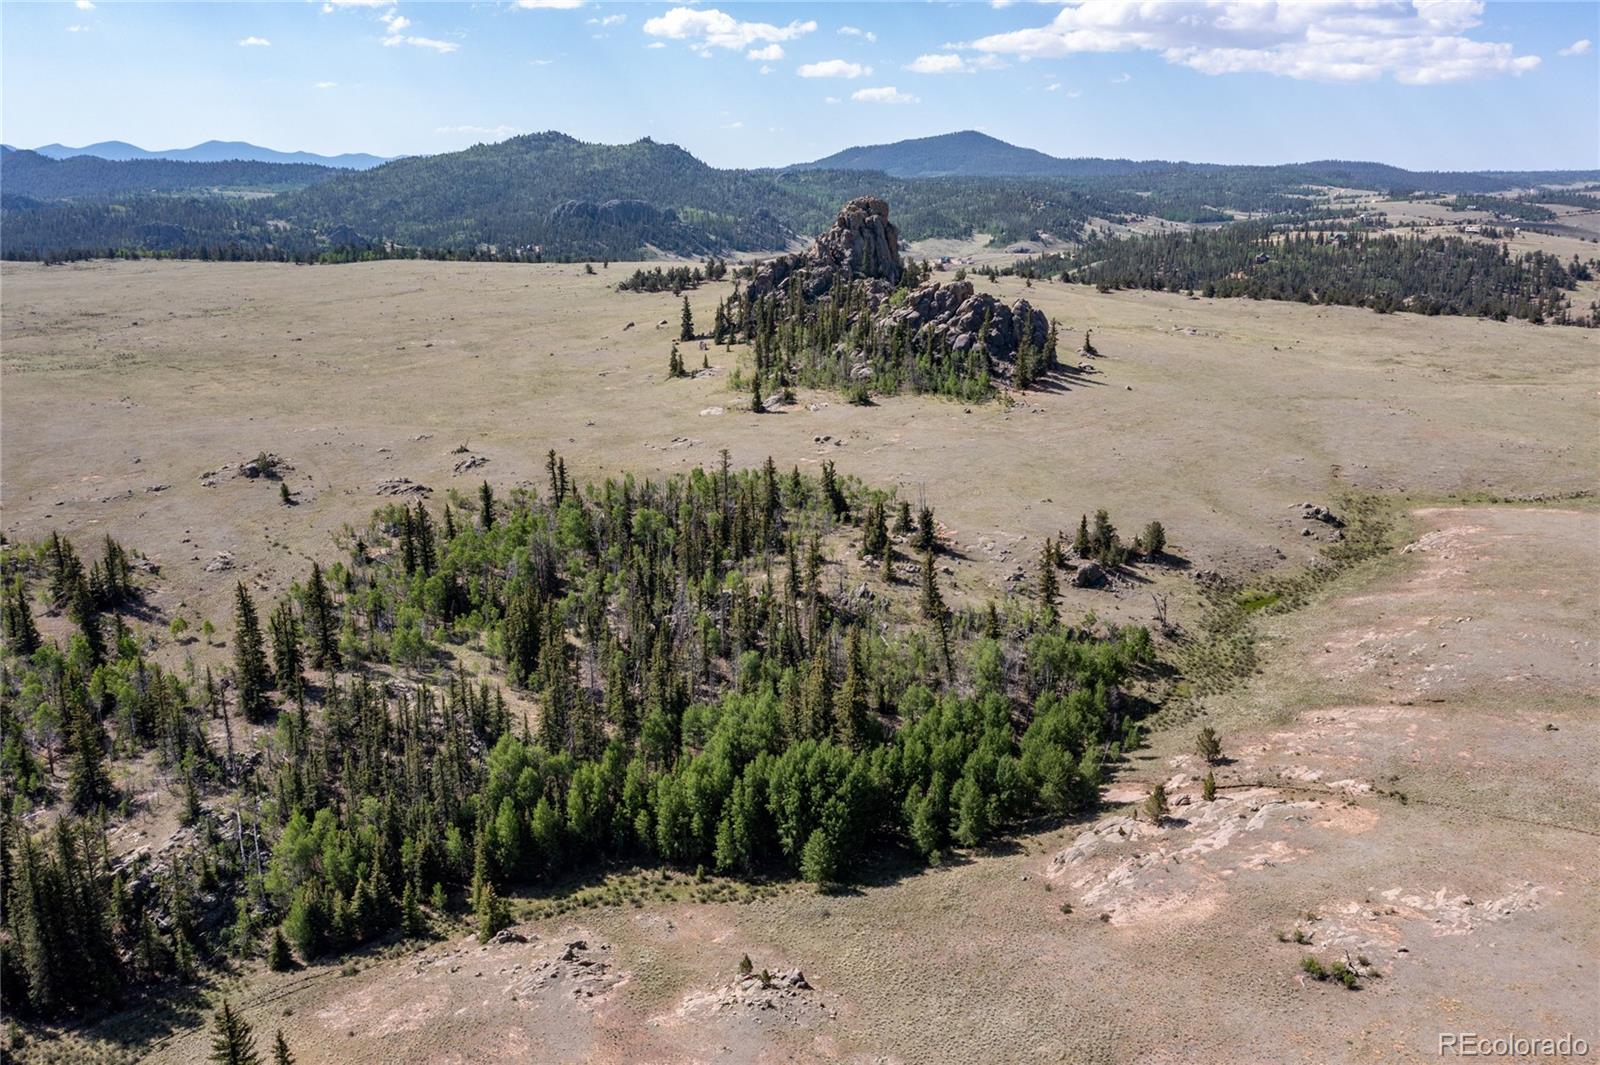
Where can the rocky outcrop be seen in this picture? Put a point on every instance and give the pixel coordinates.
(609, 213)
(861, 245)
(954, 313)
(862, 248)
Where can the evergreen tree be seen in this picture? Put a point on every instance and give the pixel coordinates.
(933, 607)
(1208, 787)
(280, 1050)
(1049, 589)
(486, 505)
(851, 717)
(279, 959)
(1153, 541)
(20, 631)
(1080, 543)
(321, 624)
(86, 616)
(1155, 804)
(756, 404)
(249, 657)
(686, 326)
(88, 782)
(492, 913)
(1207, 745)
(232, 1042)
(287, 663)
(924, 540)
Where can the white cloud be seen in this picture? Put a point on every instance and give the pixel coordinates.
(326, 85)
(830, 99)
(331, 4)
(947, 63)
(952, 63)
(78, 29)
(550, 5)
(833, 68)
(865, 35)
(394, 20)
(1578, 47)
(255, 42)
(709, 28)
(888, 94)
(1073, 94)
(656, 44)
(1054, 86)
(607, 21)
(1420, 42)
(768, 54)
(442, 47)
(767, 68)
(1122, 79)
(734, 125)
(496, 133)
(540, 62)
(84, 5)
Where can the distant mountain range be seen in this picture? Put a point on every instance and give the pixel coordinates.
(213, 152)
(969, 153)
(550, 195)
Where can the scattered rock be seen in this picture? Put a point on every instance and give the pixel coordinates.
(220, 562)
(471, 462)
(402, 486)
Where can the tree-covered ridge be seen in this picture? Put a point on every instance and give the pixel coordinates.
(1384, 271)
(88, 177)
(548, 196)
(707, 696)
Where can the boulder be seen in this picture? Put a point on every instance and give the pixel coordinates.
(1089, 575)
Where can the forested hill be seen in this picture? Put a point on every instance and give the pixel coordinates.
(551, 190)
(973, 154)
(551, 196)
(968, 153)
(25, 173)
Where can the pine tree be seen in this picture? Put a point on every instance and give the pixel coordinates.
(492, 913)
(287, 662)
(249, 657)
(279, 958)
(280, 1050)
(1049, 589)
(902, 521)
(85, 615)
(756, 405)
(933, 607)
(232, 1043)
(675, 362)
(1080, 543)
(924, 540)
(1208, 787)
(1155, 804)
(1208, 745)
(88, 782)
(322, 627)
(486, 505)
(851, 716)
(20, 630)
(686, 327)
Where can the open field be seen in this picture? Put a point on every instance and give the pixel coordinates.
(1215, 417)
(1411, 772)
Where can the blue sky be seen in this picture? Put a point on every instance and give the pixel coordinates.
(1442, 84)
